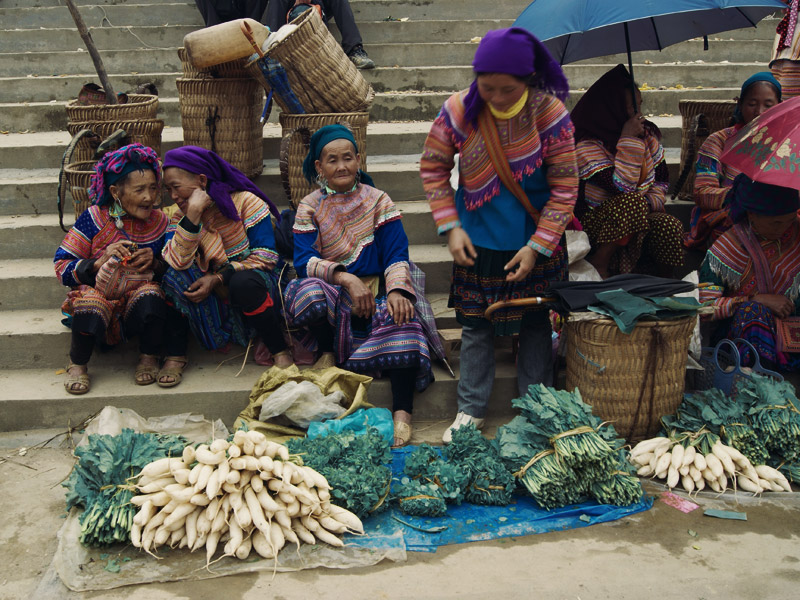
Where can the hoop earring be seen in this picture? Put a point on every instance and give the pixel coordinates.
(321, 181)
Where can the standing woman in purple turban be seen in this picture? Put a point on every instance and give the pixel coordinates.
(122, 231)
(505, 222)
(221, 251)
(754, 271)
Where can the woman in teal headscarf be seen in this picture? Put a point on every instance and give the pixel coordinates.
(357, 292)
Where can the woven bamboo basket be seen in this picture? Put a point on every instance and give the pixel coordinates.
(294, 147)
(138, 106)
(319, 72)
(79, 178)
(631, 380)
(223, 115)
(234, 69)
(716, 115)
(146, 132)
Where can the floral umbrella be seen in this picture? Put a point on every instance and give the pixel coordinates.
(768, 148)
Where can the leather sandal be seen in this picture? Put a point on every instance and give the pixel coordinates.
(175, 372)
(325, 360)
(146, 375)
(281, 354)
(402, 432)
(82, 380)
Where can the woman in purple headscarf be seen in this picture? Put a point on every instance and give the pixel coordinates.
(221, 251)
(505, 222)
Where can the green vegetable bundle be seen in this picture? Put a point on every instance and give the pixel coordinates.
(99, 481)
(620, 489)
(420, 499)
(549, 482)
(567, 421)
(426, 465)
(774, 414)
(354, 465)
(490, 482)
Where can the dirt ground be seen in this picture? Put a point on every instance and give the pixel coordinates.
(648, 555)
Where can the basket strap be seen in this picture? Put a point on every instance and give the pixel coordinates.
(65, 160)
(656, 340)
(286, 144)
(211, 123)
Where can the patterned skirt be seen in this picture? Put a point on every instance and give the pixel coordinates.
(379, 345)
(476, 288)
(111, 321)
(754, 322)
(213, 321)
(646, 239)
(787, 72)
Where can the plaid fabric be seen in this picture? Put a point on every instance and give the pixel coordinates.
(424, 312)
(276, 77)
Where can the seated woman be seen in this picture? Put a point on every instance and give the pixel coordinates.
(714, 179)
(220, 251)
(108, 258)
(355, 293)
(624, 181)
(754, 269)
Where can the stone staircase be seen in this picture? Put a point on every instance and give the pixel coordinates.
(420, 62)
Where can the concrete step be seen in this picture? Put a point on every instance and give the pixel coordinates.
(388, 106)
(77, 60)
(34, 193)
(80, 3)
(35, 337)
(35, 397)
(153, 36)
(168, 13)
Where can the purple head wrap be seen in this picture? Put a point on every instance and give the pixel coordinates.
(517, 52)
(223, 177)
(115, 165)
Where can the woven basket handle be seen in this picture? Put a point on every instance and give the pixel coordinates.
(65, 160)
(248, 33)
(286, 144)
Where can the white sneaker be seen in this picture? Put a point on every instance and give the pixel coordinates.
(462, 419)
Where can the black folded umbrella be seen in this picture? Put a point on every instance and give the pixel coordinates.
(569, 296)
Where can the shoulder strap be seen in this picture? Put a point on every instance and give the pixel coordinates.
(760, 262)
(494, 148)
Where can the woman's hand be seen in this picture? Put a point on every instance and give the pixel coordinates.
(363, 300)
(634, 127)
(779, 304)
(401, 309)
(196, 204)
(523, 260)
(119, 249)
(202, 288)
(461, 248)
(141, 260)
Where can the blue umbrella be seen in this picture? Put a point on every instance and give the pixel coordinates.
(579, 29)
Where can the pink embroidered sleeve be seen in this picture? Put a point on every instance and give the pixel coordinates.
(180, 249)
(436, 164)
(398, 277)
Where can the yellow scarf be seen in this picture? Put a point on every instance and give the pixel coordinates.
(511, 112)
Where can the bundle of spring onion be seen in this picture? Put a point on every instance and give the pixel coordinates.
(563, 454)
(99, 481)
(247, 494)
(696, 461)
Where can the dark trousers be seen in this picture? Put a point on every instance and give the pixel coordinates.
(275, 17)
(249, 293)
(215, 12)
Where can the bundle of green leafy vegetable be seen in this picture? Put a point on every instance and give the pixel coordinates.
(490, 482)
(426, 465)
(775, 414)
(421, 499)
(99, 481)
(355, 466)
(568, 423)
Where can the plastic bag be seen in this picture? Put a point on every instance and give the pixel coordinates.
(302, 403)
(359, 422)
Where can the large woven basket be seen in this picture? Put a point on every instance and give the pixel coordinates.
(699, 119)
(234, 69)
(79, 178)
(631, 380)
(296, 132)
(145, 131)
(223, 115)
(319, 72)
(138, 106)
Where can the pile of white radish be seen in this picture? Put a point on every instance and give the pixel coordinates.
(722, 468)
(247, 495)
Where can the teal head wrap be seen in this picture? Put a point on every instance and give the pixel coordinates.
(321, 138)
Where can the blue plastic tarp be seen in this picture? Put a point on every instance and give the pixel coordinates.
(472, 523)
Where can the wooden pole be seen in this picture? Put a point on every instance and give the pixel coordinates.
(111, 97)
